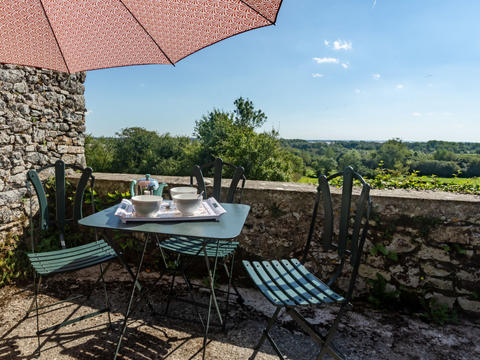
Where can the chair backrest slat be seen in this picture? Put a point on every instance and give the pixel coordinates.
(347, 244)
(217, 178)
(33, 177)
(218, 167)
(327, 234)
(60, 194)
(361, 209)
(345, 210)
(198, 174)
(237, 176)
(81, 186)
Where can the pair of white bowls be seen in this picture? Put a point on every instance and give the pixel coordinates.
(186, 199)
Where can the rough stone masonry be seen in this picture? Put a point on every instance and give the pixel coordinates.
(42, 119)
(422, 243)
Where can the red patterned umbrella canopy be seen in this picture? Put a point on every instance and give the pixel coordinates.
(79, 35)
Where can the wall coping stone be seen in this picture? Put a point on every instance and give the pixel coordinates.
(429, 195)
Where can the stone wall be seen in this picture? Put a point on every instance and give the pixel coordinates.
(42, 119)
(424, 242)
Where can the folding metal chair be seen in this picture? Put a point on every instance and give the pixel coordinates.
(288, 284)
(66, 259)
(219, 251)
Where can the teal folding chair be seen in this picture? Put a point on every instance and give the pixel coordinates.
(220, 251)
(289, 285)
(67, 259)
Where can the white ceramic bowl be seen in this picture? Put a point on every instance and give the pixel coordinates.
(187, 203)
(182, 190)
(146, 205)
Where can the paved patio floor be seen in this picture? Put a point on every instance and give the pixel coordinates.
(363, 334)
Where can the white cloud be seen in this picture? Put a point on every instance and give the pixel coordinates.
(338, 44)
(416, 114)
(357, 91)
(88, 112)
(326, 60)
(342, 45)
(376, 76)
(317, 75)
(345, 65)
(399, 86)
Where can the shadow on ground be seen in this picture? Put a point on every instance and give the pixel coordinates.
(363, 333)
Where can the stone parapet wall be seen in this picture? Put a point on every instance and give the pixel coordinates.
(426, 242)
(42, 119)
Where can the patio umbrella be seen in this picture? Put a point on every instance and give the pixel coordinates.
(81, 35)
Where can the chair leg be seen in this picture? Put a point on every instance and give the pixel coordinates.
(230, 276)
(192, 298)
(325, 342)
(32, 304)
(266, 336)
(107, 301)
(36, 288)
(169, 296)
(331, 332)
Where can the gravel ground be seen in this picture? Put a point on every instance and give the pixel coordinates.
(363, 333)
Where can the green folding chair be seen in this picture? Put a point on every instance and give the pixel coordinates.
(67, 259)
(221, 251)
(289, 285)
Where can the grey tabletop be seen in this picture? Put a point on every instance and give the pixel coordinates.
(228, 227)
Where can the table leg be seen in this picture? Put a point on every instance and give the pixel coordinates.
(211, 280)
(129, 270)
(132, 294)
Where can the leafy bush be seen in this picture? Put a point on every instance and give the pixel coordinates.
(13, 261)
(436, 167)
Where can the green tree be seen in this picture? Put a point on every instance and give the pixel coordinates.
(141, 151)
(436, 167)
(394, 154)
(444, 155)
(135, 150)
(99, 153)
(245, 114)
(324, 165)
(232, 137)
(350, 158)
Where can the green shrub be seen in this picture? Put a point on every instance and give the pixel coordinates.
(436, 167)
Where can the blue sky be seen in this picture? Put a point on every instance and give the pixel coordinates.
(329, 69)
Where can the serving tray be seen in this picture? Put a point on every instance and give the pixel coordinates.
(209, 209)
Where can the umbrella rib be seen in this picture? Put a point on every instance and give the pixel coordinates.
(54, 36)
(258, 12)
(146, 31)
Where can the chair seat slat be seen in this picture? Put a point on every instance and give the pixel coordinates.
(75, 265)
(267, 281)
(65, 258)
(270, 295)
(72, 250)
(291, 289)
(315, 281)
(73, 262)
(188, 246)
(302, 281)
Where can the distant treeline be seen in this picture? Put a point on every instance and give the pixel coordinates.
(234, 137)
(440, 158)
(229, 135)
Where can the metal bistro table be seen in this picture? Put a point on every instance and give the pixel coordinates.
(228, 227)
